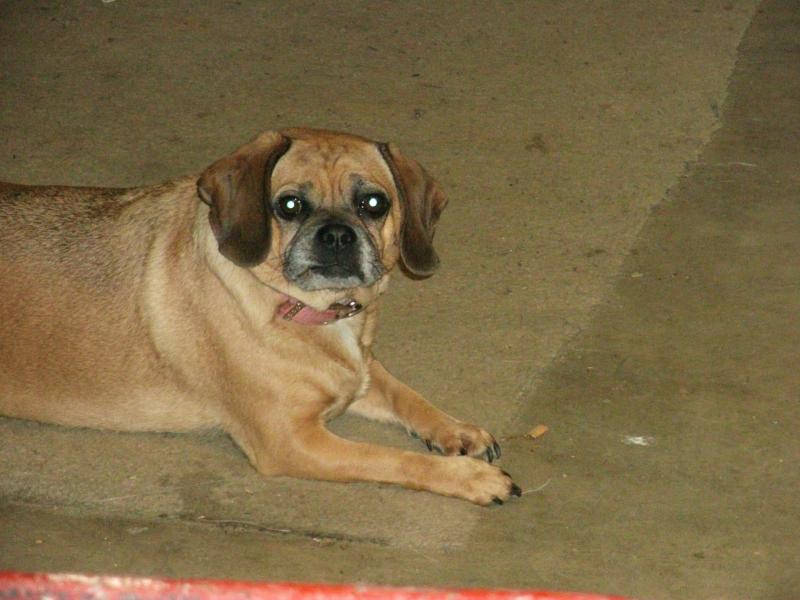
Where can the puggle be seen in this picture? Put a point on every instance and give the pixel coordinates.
(245, 299)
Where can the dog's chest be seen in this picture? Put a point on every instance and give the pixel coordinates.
(354, 373)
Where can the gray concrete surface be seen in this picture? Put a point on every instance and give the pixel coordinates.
(570, 294)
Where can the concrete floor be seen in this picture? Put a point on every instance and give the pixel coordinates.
(620, 263)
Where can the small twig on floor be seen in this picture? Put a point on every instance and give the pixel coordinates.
(538, 489)
(735, 163)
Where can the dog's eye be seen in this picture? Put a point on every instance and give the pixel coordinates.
(373, 205)
(290, 207)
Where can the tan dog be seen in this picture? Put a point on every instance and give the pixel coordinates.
(250, 308)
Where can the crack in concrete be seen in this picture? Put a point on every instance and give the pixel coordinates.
(252, 526)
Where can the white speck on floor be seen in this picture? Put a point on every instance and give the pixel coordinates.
(639, 440)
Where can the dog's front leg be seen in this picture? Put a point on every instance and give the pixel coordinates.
(313, 452)
(388, 399)
(295, 442)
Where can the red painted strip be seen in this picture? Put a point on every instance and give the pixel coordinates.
(29, 586)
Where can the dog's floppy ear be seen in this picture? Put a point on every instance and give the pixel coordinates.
(423, 202)
(237, 189)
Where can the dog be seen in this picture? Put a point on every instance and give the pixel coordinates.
(244, 300)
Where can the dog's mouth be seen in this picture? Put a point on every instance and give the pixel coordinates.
(330, 276)
(333, 276)
(335, 270)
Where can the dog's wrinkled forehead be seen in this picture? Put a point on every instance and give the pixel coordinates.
(329, 168)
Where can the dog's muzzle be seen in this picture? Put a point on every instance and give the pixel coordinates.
(332, 255)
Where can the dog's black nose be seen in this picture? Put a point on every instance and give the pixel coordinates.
(335, 236)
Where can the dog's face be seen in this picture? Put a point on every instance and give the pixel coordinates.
(332, 204)
(330, 211)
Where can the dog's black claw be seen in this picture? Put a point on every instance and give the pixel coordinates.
(496, 448)
(497, 500)
(429, 445)
(506, 473)
(516, 491)
(463, 451)
(489, 454)
(413, 434)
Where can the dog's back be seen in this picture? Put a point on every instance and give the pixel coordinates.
(72, 330)
(44, 228)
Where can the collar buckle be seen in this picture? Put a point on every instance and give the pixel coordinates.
(346, 309)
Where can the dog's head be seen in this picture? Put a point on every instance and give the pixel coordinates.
(330, 210)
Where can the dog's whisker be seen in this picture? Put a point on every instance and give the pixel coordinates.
(537, 489)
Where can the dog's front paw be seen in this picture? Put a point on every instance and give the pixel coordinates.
(480, 483)
(454, 438)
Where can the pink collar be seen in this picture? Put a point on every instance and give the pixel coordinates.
(293, 309)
